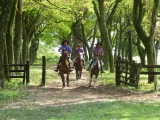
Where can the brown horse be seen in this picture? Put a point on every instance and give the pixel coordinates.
(78, 63)
(64, 68)
(95, 68)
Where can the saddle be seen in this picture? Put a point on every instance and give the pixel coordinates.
(95, 62)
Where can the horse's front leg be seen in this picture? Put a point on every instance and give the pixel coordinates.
(90, 80)
(63, 81)
(95, 80)
(77, 76)
(80, 74)
(67, 80)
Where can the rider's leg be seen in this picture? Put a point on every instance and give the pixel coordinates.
(73, 62)
(84, 64)
(102, 66)
(69, 61)
(58, 65)
(90, 63)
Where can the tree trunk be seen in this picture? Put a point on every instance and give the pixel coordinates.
(104, 35)
(5, 7)
(148, 41)
(18, 33)
(141, 51)
(10, 33)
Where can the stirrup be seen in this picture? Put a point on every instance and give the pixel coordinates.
(102, 71)
(84, 67)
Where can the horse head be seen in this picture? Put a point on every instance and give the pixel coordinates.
(64, 53)
(95, 61)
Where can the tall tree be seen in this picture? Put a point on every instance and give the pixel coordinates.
(5, 11)
(100, 13)
(146, 38)
(18, 33)
(10, 33)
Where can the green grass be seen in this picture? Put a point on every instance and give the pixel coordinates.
(109, 110)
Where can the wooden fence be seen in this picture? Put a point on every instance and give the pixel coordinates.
(43, 65)
(23, 72)
(151, 73)
(129, 72)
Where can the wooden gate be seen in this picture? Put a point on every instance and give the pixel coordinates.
(127, 72)
(21, 73)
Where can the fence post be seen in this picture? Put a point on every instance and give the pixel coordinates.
(118, 71)
(27, 72)
(43, 70)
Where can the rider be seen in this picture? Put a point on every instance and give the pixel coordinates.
(97, 50)
(64, 45)
(79, 52)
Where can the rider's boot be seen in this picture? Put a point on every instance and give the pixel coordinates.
(73, 65)
(69, 65)
(56, 70)
(84, 65)
(70, 68)
(58, 65)
(102, 70)
(89, 67)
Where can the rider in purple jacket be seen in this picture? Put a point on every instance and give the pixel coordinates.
(79, 52)
(97, 50)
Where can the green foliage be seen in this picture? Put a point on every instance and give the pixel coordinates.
(8, 94)
(14, 84)
(49, 51)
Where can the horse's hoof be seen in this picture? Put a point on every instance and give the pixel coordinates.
(67, 85)
(89, 85)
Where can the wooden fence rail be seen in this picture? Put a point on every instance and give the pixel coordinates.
(129, 72)
(24, 72)
(43, 65)
(151, 73)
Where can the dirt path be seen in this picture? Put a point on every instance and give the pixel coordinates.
(79, 92)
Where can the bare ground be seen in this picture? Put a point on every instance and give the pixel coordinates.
(52, 94)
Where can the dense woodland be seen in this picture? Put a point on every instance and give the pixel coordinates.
(116, 23)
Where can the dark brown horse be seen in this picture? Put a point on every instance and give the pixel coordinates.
(78, 63)
(95, 68)
(64, 68)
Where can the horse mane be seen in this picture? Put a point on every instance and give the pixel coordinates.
(78, 63)
(96, 61)
(64, 62)
(95, 68)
